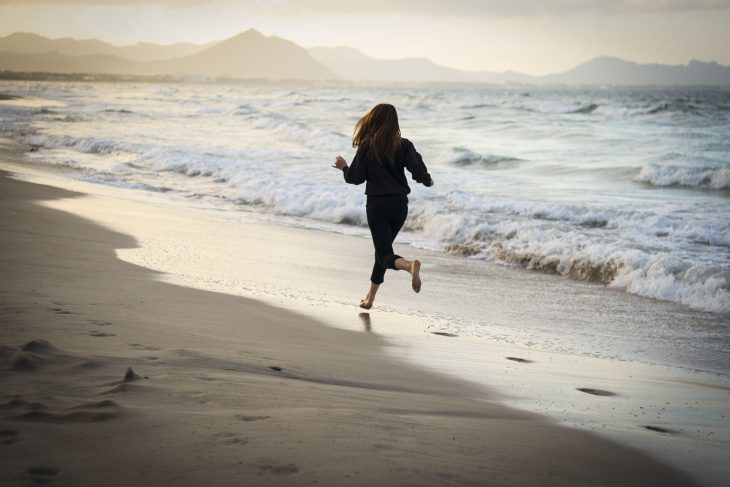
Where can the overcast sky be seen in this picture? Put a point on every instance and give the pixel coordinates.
(531, 36)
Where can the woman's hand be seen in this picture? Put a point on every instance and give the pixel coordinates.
(339, 163)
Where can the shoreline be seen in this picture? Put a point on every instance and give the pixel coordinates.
(337, 411)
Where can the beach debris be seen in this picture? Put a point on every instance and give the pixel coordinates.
(596, 392)
(520, 360)
(276, 368)
(129, 376)
(657, 429)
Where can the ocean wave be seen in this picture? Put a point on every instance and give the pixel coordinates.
(702, 177)
(123, 111)
(639, 252)
(679, 105)
(89, 145)
(474, 106)
(617, 109)
(463, 157)
(287, 129)
(585, 109)
(660, 276)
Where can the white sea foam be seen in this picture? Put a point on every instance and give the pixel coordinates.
(707, 177)
(547, 201)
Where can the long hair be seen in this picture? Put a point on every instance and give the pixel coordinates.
(380, 128)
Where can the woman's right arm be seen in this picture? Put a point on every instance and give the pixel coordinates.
(357, 171)
(415, 165)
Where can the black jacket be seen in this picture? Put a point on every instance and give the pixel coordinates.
(384, 178)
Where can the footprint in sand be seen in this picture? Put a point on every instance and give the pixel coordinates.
(100, 334)
(596, 392)
(100, 323)
(243, 417)
(280, 469)
(42, 475)
(520, 360)
(97, 405)
(60, 311)
(659, 429)
(445, 334)
(92, 412)
(8, 436)
(139, 346)
(20, 403)
(73, 417)
(231, 438)
(276, 368)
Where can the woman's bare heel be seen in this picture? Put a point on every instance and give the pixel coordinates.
(365, 305)
(415, 278)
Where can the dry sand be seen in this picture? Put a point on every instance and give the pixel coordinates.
(226, 390)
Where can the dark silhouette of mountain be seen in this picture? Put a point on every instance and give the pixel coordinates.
(613, 71)
(252, 55)
(26, 43)
(245, 56)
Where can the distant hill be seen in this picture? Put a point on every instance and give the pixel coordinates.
(245, 56)
(613, 71)
(252, 55)
(53, 62)
(26, 43)
(353, 65)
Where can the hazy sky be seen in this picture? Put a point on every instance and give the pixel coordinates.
(532, 36)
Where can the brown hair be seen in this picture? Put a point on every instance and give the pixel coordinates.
(380, 128)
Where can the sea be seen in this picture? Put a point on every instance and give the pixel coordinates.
(627, 188)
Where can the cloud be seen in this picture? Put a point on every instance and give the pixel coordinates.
(412, 7)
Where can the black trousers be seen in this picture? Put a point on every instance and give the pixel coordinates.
(386, 216)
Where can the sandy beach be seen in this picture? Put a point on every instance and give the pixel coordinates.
(227, 390)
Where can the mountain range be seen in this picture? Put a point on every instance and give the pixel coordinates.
(251, 55)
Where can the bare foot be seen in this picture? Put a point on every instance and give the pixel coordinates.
(415, 278)
(366, 303)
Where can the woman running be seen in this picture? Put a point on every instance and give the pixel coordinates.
(381, 156)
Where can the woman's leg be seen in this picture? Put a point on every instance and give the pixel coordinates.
(414, 268)
(385, 221)
(399, 263)
(367, 303)
(381, 232)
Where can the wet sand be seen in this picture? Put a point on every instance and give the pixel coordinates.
(228, 389)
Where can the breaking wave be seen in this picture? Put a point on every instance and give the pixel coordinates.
(701, 177)
(463, 157)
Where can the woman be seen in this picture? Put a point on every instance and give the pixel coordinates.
(381, 156)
